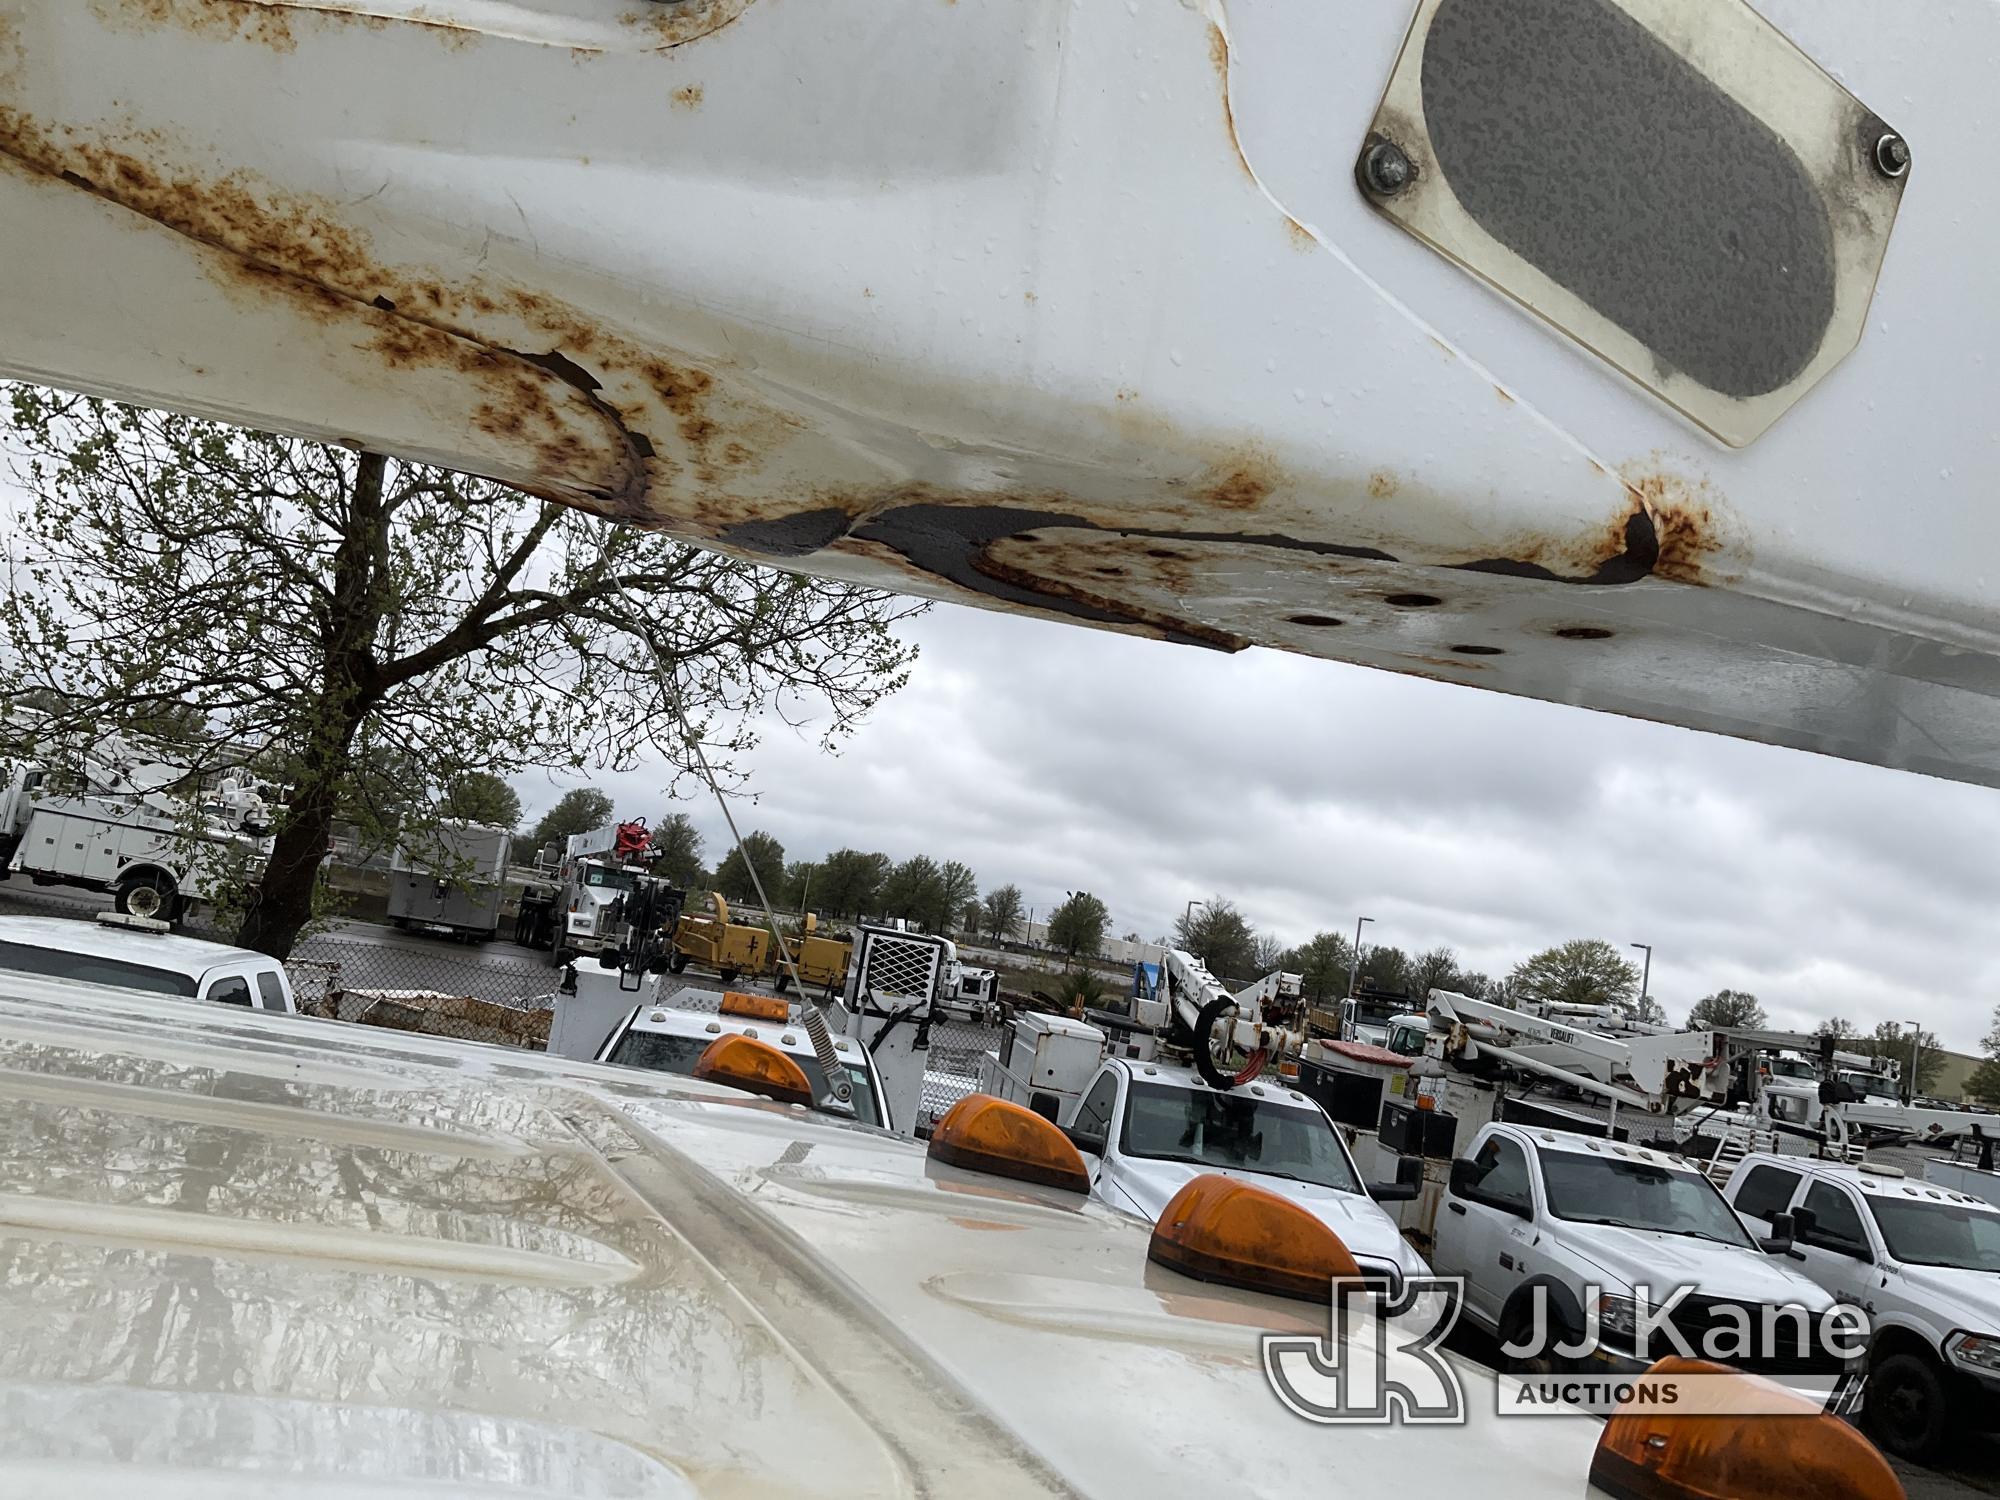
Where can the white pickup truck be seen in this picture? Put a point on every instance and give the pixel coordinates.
(1146, 1129)
(1922, 1261)
(1600, 1227)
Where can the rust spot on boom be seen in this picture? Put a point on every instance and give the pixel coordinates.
(1242, 488)
(222, 20)
(1668, 529)
(510, 340)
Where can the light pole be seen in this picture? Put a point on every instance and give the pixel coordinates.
(1187, 922)
(1645, 979)
(1354, 957)
(1916, 1048)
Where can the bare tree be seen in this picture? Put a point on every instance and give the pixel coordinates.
(332, 607)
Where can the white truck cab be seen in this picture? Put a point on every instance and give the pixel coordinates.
(1597, 1226)
(1147, 1128)
(666, 1038)
(245, 1260)
(131, 953)
(1922, 1261)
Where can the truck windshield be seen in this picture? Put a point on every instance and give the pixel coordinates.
(617, 880)
(23, 958)
(663, 1052)
(1588, 1189)
(1921, 1232)
(1235, 1130)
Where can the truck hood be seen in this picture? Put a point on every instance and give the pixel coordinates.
(1661, 1262)
(1963, 1299)
(1368, 1232)
(249, 1253)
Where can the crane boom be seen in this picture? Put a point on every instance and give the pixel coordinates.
(1229, 322)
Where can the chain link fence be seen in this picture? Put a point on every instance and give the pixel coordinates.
(375, 977)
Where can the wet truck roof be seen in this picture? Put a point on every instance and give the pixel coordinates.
(243, 1250)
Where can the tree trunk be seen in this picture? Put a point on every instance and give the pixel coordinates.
(350, 689)
(284, 902)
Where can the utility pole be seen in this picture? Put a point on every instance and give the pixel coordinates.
(1645, 979)
(1916, 1050)
(1354, 957)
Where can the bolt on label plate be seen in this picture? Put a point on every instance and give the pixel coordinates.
(1672, 183)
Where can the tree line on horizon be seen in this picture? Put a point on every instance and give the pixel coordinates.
(944, 897)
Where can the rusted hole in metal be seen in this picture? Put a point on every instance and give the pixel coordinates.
(1414, 601)
(1584, 633)
(1476, 651)
(1327, 621)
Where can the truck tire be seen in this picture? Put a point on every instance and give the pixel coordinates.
(729, 975)
(1517, 1320)
(784, 983)
(1907, 1411)
(152, 894)
(678, 963)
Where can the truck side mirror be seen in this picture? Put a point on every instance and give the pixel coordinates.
(1090, 1141)
(1804, 1222)
(1464, 1181)
(1409, 1183)
(1783, 1232)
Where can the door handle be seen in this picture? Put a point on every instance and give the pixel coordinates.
(1457, 1208)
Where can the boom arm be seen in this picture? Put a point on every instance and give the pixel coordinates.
(1076, 311)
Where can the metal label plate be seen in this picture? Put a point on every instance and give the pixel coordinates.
(1672, 183)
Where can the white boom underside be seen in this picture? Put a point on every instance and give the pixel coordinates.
(1071, 310)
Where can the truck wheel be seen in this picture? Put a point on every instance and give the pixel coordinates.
(784, 983)
(1906, 1407)
(146, 896)
(729, 975)
(1515, 1327)
(678, 963)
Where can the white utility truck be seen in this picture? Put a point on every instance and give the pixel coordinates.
(450, 879)
(1149, 1109)
(601, 903)
(1559, 1236)
(119, 820)
(1922, 1261)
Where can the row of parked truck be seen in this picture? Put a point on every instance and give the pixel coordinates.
(1584, 1246)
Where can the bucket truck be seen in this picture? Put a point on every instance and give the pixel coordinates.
(120, 818)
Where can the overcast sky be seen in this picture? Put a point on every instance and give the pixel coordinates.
(1312, 793)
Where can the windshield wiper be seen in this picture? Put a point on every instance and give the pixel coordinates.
(1696, 1234)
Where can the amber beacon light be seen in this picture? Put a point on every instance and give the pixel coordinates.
(743, 1062)
(754, 1007)
(1648, 1453)
(984, 1134)
(1218, 1229)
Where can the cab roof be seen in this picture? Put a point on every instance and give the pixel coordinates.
(1273, 1089)
(170, 951)
(1871, 1178)
(249, 1250)
(789, 1034)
